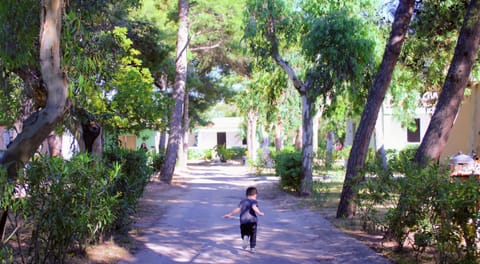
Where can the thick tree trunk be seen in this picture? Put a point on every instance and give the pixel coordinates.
(356, 160)
(252, 134)
(38, 126)
(163, 142)
(175, 133)
(453, 89)
(308, 108)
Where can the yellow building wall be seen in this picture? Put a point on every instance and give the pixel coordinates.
(465, 134)
(128, 141)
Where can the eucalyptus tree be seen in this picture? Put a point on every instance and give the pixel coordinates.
(39, 124)
(336, 46)
(376, 95)
(99, 58)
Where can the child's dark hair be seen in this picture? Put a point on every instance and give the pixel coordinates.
(251, 191)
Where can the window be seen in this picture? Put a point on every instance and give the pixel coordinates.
(414, 136)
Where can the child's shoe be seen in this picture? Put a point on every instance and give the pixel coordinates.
(253, 250)
(246, 241)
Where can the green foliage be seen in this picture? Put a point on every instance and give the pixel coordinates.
(288, 165)
(19, 31)
(258, 163)
(208, 154)
(129, 186)
(223, 153)
(423, 202)
(157, 161)
(238, 152)
(11, 94)
(196, 154)
(342, 42)
(69, 204)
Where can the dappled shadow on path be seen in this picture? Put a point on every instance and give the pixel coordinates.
(186, 225)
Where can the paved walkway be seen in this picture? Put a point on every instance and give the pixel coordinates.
(186, 225)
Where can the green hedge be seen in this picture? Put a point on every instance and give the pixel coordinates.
(288, 165)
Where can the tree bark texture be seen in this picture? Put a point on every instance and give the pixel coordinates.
(38, 125)
(183, 158)
(278, 134)
(54, 144)
(252, 134)
(376, 95)
(308, 103)
(175, 133)
(308, 108)
(453, 89)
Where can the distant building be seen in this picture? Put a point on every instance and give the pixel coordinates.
(225, 130)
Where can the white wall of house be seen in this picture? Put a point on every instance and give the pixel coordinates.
(206, 137)
(395, 136)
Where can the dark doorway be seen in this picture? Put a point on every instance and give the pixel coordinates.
(222, 138)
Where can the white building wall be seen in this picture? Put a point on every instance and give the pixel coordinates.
(233, 139)
(395, 136)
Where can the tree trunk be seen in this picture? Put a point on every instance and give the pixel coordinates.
(183, 158)
(298, 139)
(54, 145)
(266, 157)
(38, 126)
(316, 124)
(279, 134)
(175, 132)
(453, 89)
(91, 130)
(163, 142)
(252, 134)
(329, 150)
(376, 94)
(349, 134)
(308, 108)
(380, 139)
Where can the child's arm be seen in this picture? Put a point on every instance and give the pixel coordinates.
(257, 210)
(234, 211)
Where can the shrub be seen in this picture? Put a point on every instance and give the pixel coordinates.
(423, 202)
(288, 165)
(208, 154)
(195, 154)
(238, 152)
(130, 184)
(157, 161)
(223, 153)
(69, 204)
